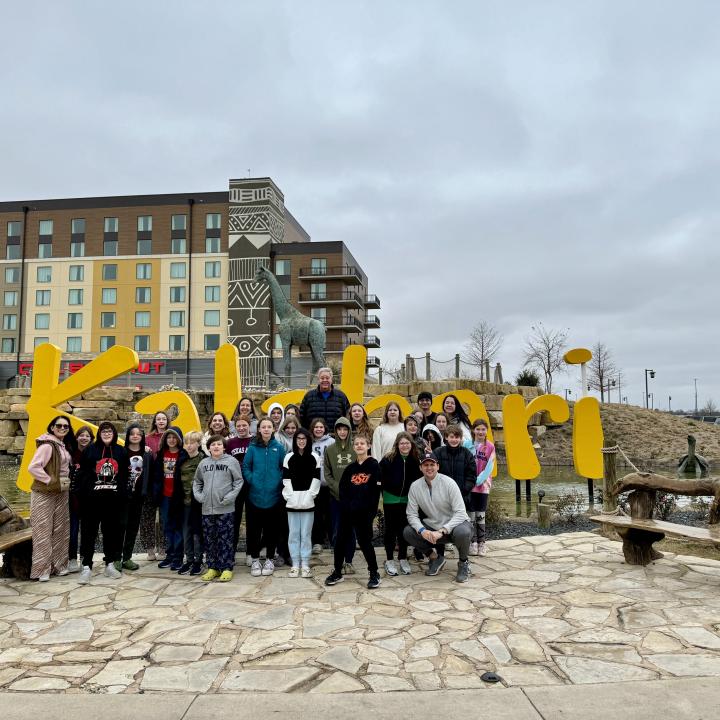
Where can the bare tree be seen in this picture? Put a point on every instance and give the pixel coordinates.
(544, 351)
(601, 369)
(484, 345)
(393, 373)
(710, 408)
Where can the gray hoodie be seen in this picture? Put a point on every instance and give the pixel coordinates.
(217, 484)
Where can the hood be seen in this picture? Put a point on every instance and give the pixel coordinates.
(323, 439)
(172, 430)
(306, 434)
(434, 429)
(49, 437)
(135, 426)
(343, 421)
(282, 410)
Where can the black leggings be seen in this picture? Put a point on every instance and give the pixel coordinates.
(362, 524)
(395, 521)
(478, 507)
(262, 526)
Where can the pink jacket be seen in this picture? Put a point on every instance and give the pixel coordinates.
(42, 456)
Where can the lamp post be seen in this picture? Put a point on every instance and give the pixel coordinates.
(610, 383)
(652, 401)
(696, 396)
(568, 391)
(669, 403)
(624, 399)
(647, 395)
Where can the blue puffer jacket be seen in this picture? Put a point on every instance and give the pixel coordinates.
(262, 470)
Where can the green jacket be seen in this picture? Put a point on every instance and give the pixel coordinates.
(338, 456)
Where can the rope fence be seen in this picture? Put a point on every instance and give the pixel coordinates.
(426, 367)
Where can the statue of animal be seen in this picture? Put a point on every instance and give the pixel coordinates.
(294, 328)
(692, 464)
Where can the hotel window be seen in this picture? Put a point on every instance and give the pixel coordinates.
(45, 250)
(8, 345)
(106, 342)
(12, 251)
(75, 321)
(77, 247)
(142, 319)
(77, 273)
(42, 297)
(212, 221)
(178, 222)
(107, 319)
(110, 248)
(211, 342)
(318, 291)
(142, 343)
(142, 295)
(44, 274)
(283, 267)
(143, 271)
(75, 297)
(40, 341)
(144, 223)
(77, 226)
(318, 266)
(177, 294)
(144, 247)
(42, 321)
(111, 225)
(212, 245)
(177, 343)
(319, 314)
(10, 297)
(46, 227)
(9, 322)
(178, 246)
(74, 344)
(177, 270)
(12, 275)
(14, 228)
(212, 269)
(109, 272)
(212, 293)
(212, 318)
(109, 296)
(177, 318)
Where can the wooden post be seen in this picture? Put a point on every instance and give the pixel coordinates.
(408, 370)
(544, 515)
(457, 365)
(427, 366)
(379, 376)
(608, 487)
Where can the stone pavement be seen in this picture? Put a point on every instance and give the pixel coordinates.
(540, 611)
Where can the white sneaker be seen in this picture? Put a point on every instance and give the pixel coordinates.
(255, 568)
(85, 575)
(473, 548)
(405, 568)
(44, 578)
(482, 549)
(294, 572)
(449, 549)
(348, 569)
(306, 572)
(391, 568)
(112, 572)
(63, 573)
(74, 566)
(317, 549)
(268, 568)
(248, 561)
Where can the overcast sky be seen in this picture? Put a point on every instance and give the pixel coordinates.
(520, 162)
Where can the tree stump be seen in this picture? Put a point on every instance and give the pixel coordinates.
(17, 560)
(638, 544)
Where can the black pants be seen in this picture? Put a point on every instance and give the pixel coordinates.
(478, 508)
(460, 537)
(322, 524)
(240, 501)
(262, 528)
(131, 525)
(362, 524)
(395, 522)
(102, 510)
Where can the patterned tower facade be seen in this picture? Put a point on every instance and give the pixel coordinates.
(256, 219)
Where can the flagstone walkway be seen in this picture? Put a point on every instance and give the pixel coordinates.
(538, 611)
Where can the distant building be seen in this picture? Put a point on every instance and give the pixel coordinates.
(172, 276)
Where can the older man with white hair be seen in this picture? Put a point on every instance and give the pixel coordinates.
(325, 401)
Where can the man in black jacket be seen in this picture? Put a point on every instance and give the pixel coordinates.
(325, 401)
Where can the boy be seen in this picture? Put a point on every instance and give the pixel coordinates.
(217, 482)
(192, 514)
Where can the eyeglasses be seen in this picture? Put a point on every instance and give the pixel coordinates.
(62, 427)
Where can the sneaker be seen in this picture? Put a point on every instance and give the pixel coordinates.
(278, 561)
(118, 565)
(436, 565)
(225, 576)
(185, 569)
(112, 572)
(316, 549)
(391, 568)
(85, 575)
(334, 578)
(405, 568)
(166, 563)
(130, 565)
(306, 572)
(248, 560)
(294, 571)
(195, 568)
(463, 571)
(268, 568)
(348, 569)
(74, 566)
(256, 568)
(44, 578)
(374, 580)
(210, 575)
(175, 567)
(449, 549)
(482, 549)
(63, 573)
(152, 557)
(473, 548)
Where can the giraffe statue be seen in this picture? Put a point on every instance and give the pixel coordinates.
(295, 328)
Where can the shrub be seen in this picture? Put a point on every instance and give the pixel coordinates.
(495, 514)
(527, 378)
(570, 506)
(665, 504)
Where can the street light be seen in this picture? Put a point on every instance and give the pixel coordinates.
(669, 403)
(613, 383)
(647, 395)
(652, 401)
(624, 399)
(696, 412)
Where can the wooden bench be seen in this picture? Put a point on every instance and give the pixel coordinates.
(640, 530)
(14, 538)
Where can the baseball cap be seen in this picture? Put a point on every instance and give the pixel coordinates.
(428, 456)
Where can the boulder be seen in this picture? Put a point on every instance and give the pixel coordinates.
(23, 426)
(18, 444)
(6, 443)
(110, 393)
(8, 428)
(16, 415)
(95, 415)
(17, 407)
(93, 403)
(496, 419)
(4, 407)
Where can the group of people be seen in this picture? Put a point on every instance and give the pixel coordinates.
(305, 477)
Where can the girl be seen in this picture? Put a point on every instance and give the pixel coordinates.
(168, 497)
(387, 431)
(398, 470)
(237, 445)
(456, 415)
(158, 426)
(245, 407)
(103, 477)
(412, 427)
(292, 410)
(432, 437)
(216, 484)
(286, 432)
(301, 481)
(49, 500)
(359, 421)
(217, 425)
(265, 510)
(485, 461)
(322, 525)
(149, 527)
(83, 438)
(359, 496)
(277, 415)
(441, 423)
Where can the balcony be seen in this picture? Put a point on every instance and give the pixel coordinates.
(372, 321)
(372, 302)
(373, 361)
(348, 274)
(349, 323)
(345, 298)
(371, 341)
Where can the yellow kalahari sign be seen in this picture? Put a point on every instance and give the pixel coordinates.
(48, 394)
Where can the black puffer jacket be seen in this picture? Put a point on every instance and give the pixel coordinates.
(459, 464)
(314, 405)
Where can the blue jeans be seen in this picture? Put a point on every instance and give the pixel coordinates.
(300, 537)
(173, 533)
